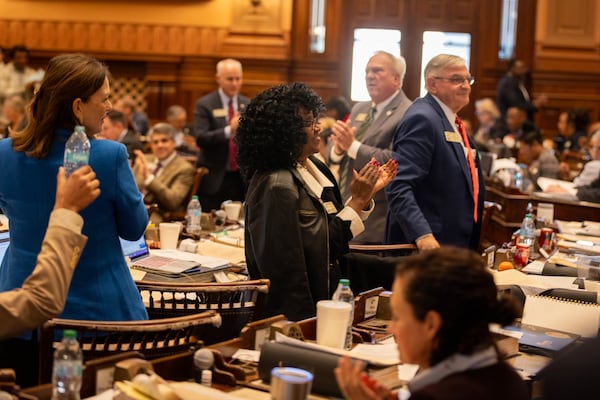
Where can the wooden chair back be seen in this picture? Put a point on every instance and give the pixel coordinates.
(237, 302)
(372, 266)
(152, 338)
(180, 215)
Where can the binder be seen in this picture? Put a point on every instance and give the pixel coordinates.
(562, 314)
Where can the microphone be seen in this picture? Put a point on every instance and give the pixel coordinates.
(204, 360)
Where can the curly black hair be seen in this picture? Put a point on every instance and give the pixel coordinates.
(271, 135)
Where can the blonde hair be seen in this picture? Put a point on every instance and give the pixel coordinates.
(487, 105)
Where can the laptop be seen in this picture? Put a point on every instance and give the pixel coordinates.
(487, 161)
(4, 242)
(168, 262)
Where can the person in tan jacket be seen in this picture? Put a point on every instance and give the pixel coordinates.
(44, 292)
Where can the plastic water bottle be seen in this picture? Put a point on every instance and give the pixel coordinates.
(344, 293)
(77, 150)
(194, 215)
(518, 179)
(527, 232)
(66, 371)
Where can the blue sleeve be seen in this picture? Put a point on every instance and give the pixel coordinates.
(131, 213)
(413, 149)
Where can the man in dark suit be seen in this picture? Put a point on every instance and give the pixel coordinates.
(114, 127)
(368, 133)
(216, 120)
(511, 90)
(438, 192)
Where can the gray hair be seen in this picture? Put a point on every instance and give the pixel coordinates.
(227, 62)
(174, 111)
(398, 63)
(440, 62)
(164, 129)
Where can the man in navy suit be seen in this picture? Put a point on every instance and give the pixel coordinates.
(437, 195)
(216, 120)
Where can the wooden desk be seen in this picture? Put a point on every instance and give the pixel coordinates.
(513, 205)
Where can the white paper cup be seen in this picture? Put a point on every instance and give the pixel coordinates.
(169, 234)
(289, 383)
(545, 211)
(233, 210)
(332, 322)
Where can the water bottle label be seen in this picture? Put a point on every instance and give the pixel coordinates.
(76, 158)
(67, 369)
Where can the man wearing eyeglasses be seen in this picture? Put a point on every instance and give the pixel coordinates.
(368, 133)
(437, 195)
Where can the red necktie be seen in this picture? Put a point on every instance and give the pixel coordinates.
(471, 161)
(232, 146)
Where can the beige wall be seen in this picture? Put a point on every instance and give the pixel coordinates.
(206, 13)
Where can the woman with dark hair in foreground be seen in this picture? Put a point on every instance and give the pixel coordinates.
(442, 303)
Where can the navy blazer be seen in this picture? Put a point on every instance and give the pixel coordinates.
(210, 120)
(432, 190)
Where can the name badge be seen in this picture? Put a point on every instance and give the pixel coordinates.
(452, 137)
(360, 117)
(330, 207)
(219, 113)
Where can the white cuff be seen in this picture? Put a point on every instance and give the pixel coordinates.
(335, 158)
(356, 224)
(356, 219)
(353, 149)
(149, 180)
(227, 131)
(66, 219)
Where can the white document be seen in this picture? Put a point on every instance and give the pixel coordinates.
(204, 261)
(544, 183)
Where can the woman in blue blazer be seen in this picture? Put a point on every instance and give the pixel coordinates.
(75, 91)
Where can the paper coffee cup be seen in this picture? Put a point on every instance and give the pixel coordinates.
(332, 322)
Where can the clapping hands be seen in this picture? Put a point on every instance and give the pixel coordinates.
(372, 178)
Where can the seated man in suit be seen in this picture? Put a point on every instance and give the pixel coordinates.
(539, 160)
(166, 179)
(114, 127)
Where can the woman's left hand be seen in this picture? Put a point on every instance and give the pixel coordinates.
(356, 384)
(387, 172)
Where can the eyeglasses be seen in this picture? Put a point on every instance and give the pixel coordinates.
(311, 123)
(457, 80)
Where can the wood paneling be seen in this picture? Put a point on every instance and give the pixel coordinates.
(558, 39)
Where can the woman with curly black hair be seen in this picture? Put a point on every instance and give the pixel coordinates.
(296, 225)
